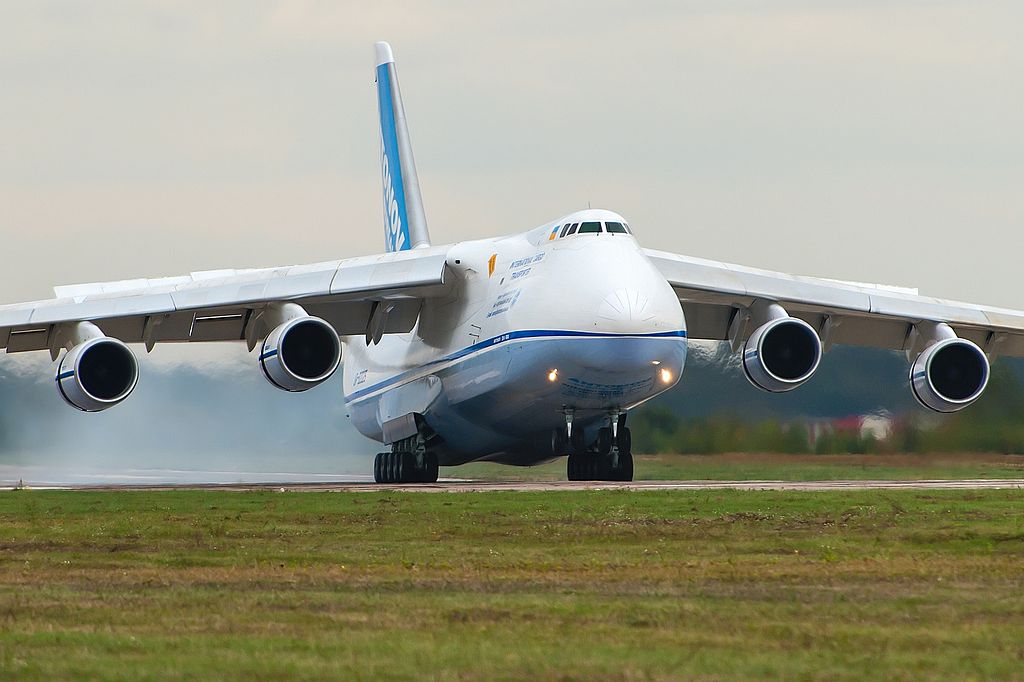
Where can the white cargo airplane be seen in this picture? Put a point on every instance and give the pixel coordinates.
(514, 349)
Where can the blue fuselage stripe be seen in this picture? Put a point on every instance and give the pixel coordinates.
(505, 338)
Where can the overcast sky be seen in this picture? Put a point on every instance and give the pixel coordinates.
(876, 141)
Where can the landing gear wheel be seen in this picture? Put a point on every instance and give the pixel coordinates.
(559, 442)
(596, 467)
(428, 474)
(577, 467)
(604, 440)
(587, 467)
(402, 467)
(574, 468)
(625, 442)
(407, 468)
(383, 467)
(578, 442)
(624, 469)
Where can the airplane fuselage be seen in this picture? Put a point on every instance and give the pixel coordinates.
(537, 325)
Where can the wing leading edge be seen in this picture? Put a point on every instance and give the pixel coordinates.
(218, 305)
(713, 293)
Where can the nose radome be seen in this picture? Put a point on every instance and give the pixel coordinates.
(626, 310)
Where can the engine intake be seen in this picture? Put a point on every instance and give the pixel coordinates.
(781, 354)
(300, 354)
(97, 374)
(949, 375)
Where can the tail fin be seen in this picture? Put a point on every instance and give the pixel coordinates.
(405, 224)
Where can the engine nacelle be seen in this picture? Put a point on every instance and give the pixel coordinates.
(781, 354)
(97, 374)
(300, 354)
(949, 375)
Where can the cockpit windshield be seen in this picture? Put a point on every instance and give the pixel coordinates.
(589, 227)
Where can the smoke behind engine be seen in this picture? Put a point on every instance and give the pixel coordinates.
(212, 412)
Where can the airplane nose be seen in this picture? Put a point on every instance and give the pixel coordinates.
(625, 310)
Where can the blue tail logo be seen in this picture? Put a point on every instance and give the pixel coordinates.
(396, 219)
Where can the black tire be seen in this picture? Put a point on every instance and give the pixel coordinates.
(559, 442)
(624, 471)
(392, 467)
(406, 467)
(625, 441)
(578, 442)
(604, 440)
(378, 472)
(588, 467)
(572, 469)
(430, 471)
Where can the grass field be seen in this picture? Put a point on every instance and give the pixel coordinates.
(778, 467)
(555, 585)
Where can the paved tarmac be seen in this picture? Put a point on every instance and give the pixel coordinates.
(463, 486)
(67, 478)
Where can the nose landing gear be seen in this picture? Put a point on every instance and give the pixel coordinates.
(610, 458)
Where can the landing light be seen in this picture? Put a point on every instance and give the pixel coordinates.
(666, 376)
(655, 362)
(553, 375)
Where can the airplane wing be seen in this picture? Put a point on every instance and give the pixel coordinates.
(716, 295)
(219, 305)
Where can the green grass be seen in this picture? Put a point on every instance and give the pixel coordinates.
(777, 467)
(560, 585)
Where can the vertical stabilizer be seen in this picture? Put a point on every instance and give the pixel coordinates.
(405, 224)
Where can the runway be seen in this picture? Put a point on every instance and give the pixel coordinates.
(494, 486)
(464, 486)
(50, 478)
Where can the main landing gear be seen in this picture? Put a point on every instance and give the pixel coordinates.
(410, 461)
(609, 458)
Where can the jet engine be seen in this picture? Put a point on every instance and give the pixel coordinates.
(300, 353)
(97, 373)
(949, 375)
(781, 354)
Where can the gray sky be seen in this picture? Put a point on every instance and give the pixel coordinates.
(877, 141)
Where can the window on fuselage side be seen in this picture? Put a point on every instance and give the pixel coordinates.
(615, 228)
(590, 228)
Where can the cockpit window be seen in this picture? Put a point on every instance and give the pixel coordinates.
(565, 229)
(615, 228)
(572, 228)
(586, 228)
(628, 231)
